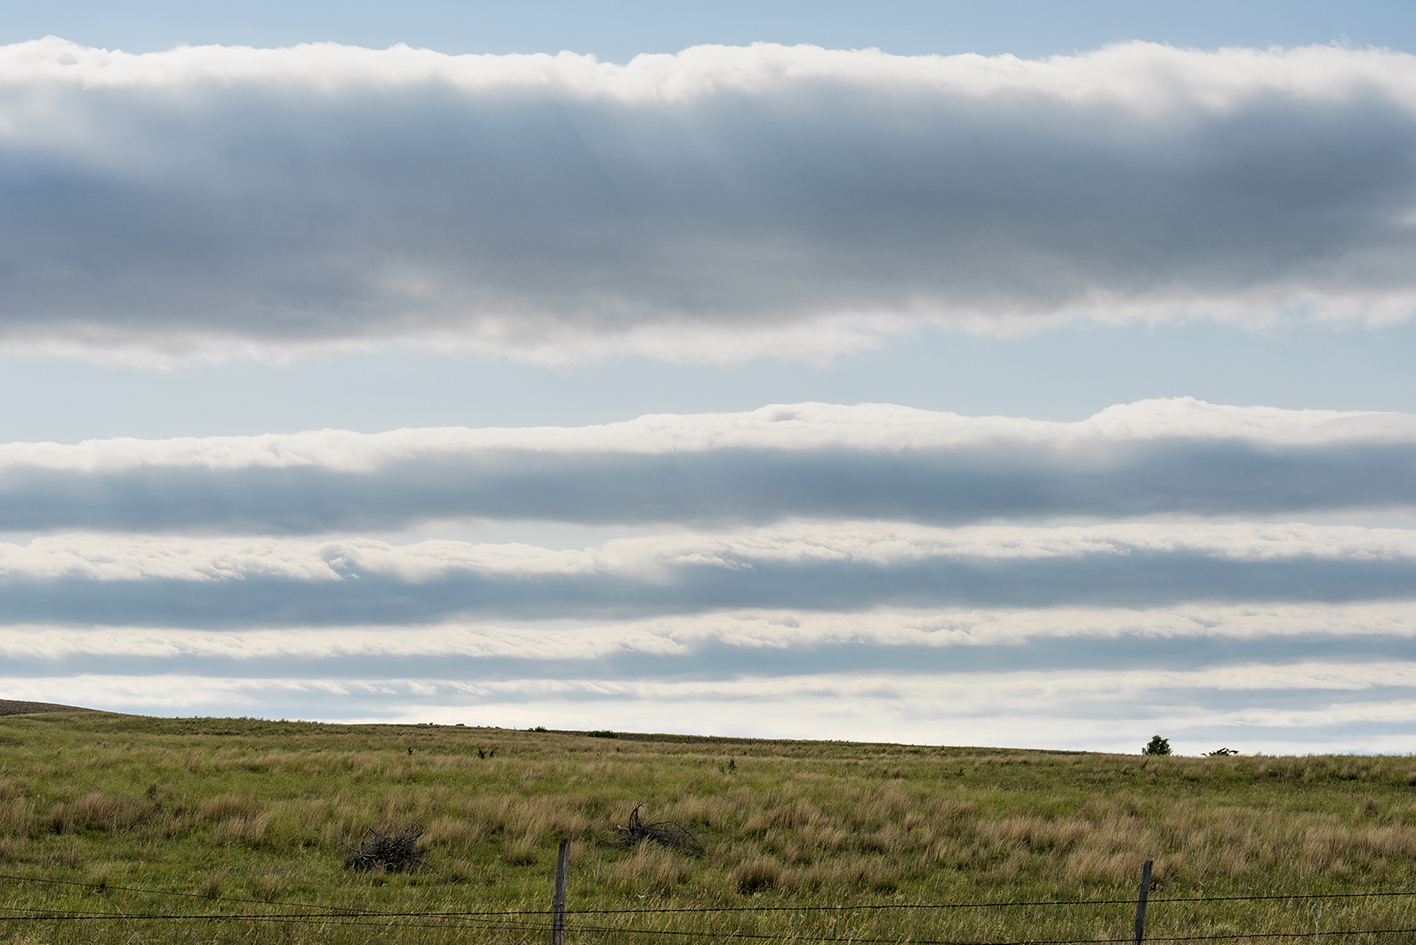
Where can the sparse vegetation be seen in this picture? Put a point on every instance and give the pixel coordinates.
(250, 814)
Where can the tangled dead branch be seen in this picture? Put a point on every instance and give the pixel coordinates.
(395, 852)
(665, 833)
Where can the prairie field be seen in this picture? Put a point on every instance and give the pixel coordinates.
(128, 829)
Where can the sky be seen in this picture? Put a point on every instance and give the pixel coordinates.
(1013, 374)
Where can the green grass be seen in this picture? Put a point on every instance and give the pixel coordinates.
(243, 816)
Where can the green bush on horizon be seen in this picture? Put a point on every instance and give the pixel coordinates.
(1157, 746)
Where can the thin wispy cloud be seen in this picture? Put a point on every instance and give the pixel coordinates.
(715, 204)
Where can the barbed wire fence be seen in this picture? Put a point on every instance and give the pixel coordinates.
(559, 921)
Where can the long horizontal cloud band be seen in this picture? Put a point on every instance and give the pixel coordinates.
(214, 583)
(722, 661)
(1136, 581)
(707, 204)
(1194, 628)
(730, 486)
(811, 460)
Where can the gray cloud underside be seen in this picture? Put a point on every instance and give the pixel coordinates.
(728, 486)
(719, 660)
(559, 208)
(1136, 579)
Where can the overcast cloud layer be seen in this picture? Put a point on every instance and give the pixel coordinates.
(876, 461)
(717, 203)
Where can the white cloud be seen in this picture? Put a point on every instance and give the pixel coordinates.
(146, 580)
(887, 428)
(687, 636)
(1178, 456)
(109, 557)
(715, 204)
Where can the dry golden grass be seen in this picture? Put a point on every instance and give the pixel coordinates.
(256, 811)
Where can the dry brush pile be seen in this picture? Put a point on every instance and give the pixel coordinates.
(665, 833)
(397, 851)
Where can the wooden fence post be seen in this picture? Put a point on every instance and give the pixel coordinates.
(558, 902)
(1140, 902)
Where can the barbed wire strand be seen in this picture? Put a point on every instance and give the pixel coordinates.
(987, 905)
(353, 911)
(326, 919)
(924, 941)
(167, 892)
(321, 920)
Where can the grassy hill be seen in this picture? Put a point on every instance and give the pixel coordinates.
(246, 817)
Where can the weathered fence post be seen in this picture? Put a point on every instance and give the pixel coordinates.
(558, 902)
(1141, 902)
